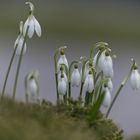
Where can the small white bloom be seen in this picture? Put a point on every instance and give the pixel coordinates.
(135, 79)
(32, 87)
(89, 84)
(62, 60)
(62, 86)
(105, 64)
(65, 76)
(107, 98)
(101, 60)
(110, 84)
(108, 67)
(32, 23)
(75, 77)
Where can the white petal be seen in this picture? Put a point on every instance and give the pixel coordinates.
(91, 85)
(135, 80)
(62, 60)
(107, 98)
(110, 84)
(32, 86)
(25, 26)
(62, 87)
(31, 28)
(65, 77)
(108, 67)
(37, 27)
(101, 61)
(88, 84)
(76, 78)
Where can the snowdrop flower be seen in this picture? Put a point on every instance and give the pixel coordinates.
(135, 79)
(110, 85)
(32, 87)
(107, 97)
(62, 72)
(105, 64)
(62, 86)
(75, 77)
(88, 84)
(32, 23)
(19, 41)
(62, 59)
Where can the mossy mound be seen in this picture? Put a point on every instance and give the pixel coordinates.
(19, 121)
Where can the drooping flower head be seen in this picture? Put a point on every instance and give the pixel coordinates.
(105, 63)
(110, 84)
(62, 60)
(20, 40)
(89, 83)
(75, 77)
(135, 78)
(107, 97)
(32, 86)
(62, 86)
(31, 23)
(64, 74)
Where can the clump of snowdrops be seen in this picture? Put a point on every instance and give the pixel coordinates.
(92, 75)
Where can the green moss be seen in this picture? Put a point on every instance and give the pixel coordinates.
(48, 122)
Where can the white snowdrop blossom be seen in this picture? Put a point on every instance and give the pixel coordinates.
(32, 87)
(31, 23)
(105, 64)
(62, 86)
(75, 77)
(89, 83)
(107, 98)
(110, 84)
(65, 76)
(62, 60)
(108, 67)
(135, 79)
(19, 41)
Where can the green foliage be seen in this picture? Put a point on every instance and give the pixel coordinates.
(34, 122)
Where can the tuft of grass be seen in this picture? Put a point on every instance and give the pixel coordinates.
(49, 122)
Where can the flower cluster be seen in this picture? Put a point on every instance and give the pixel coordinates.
(94, 78)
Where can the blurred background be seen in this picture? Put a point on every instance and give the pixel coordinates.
(78, 24)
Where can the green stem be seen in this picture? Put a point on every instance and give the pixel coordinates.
(119, 89)
(81, 89)
(8, 71)
(57, 94)
(82, 79)
(56, 74)
(69, 96)
(18, 66)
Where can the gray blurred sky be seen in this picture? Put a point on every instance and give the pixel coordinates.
(77, 24)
